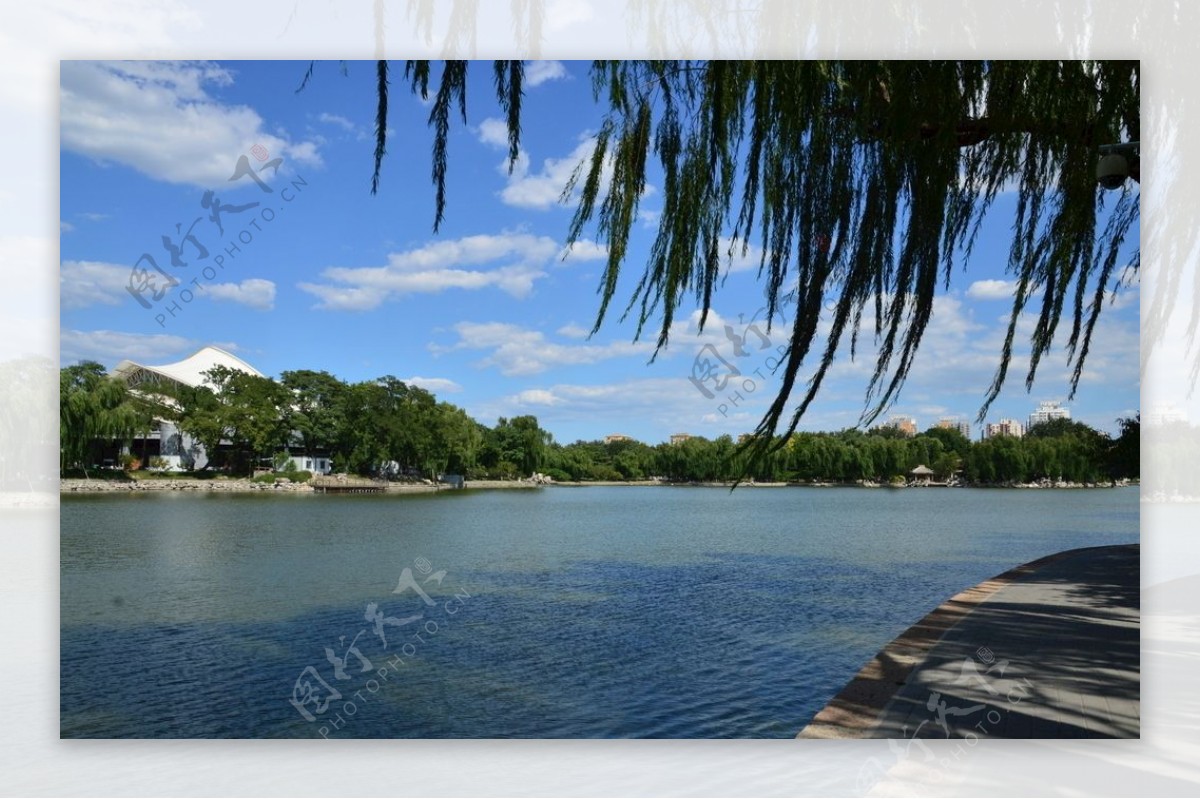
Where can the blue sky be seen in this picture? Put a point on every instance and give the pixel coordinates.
(487, 313)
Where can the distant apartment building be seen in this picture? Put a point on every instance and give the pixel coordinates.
(1004, 427)
(905, 424)
(1048, 411)
(615, 437)
(956, 423)
(679, 438)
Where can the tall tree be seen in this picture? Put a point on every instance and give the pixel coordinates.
(316, 404)
(862, 182)
(252, 413)
(95, 407)
(1126, 453)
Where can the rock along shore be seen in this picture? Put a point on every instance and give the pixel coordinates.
(242, 485)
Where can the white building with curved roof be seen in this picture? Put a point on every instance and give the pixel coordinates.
(167, 441)
(189, 372)
(179, 450)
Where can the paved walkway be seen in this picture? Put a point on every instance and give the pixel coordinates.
(1047, 650)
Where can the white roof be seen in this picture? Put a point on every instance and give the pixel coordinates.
(190, 370)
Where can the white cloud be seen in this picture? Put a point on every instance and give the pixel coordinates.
(951, 374)
(494, 131)
(740, 255)
(1123, 298)
(92, 216)
(334, 119)
(537, 396)
(434, 384)
(1130, 277)
(1127, 292)
(519, 351)
(158, 118)
(573, 330)
(958, 357)
(538, 72)
(992, 290)
(669, 403)
(109, 346)
(543, 189)
(84, 283)
(514, 260)
(304, 152)
(341, 298)
(746, 418)
(584, 250)
(65, 227)
(254, 292)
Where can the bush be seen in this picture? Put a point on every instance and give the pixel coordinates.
(158, 463)
(130, 462)
(557, 475)
(607, 473)
(504, 470)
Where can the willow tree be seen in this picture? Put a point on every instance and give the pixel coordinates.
(864, 184)
(95, 407)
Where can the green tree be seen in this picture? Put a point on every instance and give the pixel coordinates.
(1080, 451)
(457, 440)
(521, 442)
(1125, 456)
(1056, 428)
(952, 439)
(360, 439)
(253, 413)
(197, 412)
(94, 407)
(316, 407)
(862, 182)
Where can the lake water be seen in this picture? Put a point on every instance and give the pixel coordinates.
(559, 613)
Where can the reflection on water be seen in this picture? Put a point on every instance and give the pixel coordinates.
(597, 612)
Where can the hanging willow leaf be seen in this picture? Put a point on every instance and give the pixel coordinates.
(381, 111)
(863, 182)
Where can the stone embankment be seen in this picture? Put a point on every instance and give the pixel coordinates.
(241, 485)
(69, 485)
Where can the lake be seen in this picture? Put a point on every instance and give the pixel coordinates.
(593, 612)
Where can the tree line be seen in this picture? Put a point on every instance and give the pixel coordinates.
(380, 427)
(1060, 450)
(386, 427)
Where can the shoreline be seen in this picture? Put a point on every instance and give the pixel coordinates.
(75, 485)
(822, 484)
